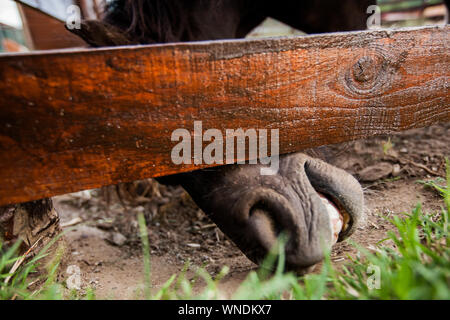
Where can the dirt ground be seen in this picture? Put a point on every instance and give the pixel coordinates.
(102, 229)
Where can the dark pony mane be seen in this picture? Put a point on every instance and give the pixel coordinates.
(153, 21)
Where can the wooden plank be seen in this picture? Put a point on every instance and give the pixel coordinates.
(74, 120)
(431, 13)
(402, 5)
(46, 32)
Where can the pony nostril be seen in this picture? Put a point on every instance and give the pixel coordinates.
(265, 231)
(271, 212)
(263, 228)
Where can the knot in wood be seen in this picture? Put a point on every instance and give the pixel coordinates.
(370, 75)
(364, 70)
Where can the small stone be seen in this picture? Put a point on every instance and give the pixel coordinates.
(375, 172)
(396, 170)
(105, 225)
(139, 209)
(117, 239)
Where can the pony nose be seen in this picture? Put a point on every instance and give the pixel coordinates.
(267, 215)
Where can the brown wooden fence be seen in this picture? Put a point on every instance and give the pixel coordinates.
(80, 119)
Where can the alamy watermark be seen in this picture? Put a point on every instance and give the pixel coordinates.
(226, 148)
(374, 20)
(73, 20)
(374, 279)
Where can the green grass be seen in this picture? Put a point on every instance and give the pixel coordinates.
(34, 280)
(413, 262)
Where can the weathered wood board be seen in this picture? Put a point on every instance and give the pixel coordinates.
(80, 119)
(46, 32)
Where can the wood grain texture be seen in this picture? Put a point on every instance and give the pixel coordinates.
(74, 120)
